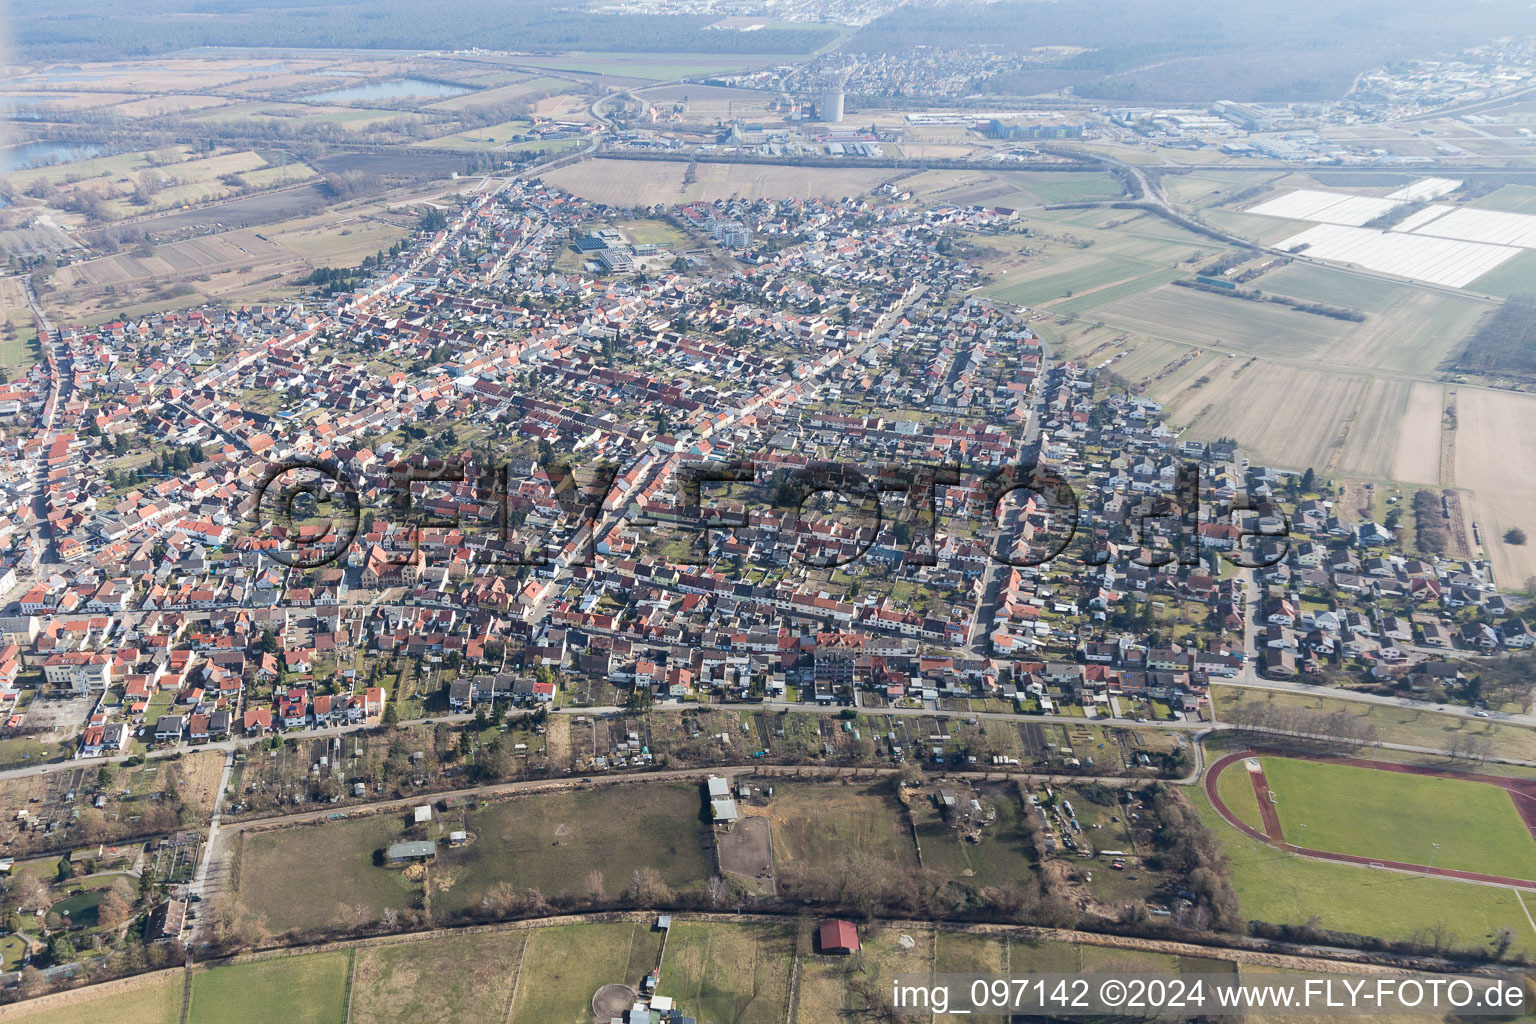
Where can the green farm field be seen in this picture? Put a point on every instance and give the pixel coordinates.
(1058, 187)
(1316, 283)
(293, 989)
(517, 90)
(1252, 226)
(1200, 318)
(1396, 816)
(1204, 188)
(1067, 279)
(18, 330)
(488, 137)
(1512, 277)
(1513, 198)
(328, 241)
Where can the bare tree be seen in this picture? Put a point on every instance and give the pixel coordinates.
(1502, 942)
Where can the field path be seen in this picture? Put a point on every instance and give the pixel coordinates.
(1521, 791)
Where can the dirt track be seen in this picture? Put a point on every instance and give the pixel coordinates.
(1521, 791)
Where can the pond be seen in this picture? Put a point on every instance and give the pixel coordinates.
(43, 154)
(392, 89)
(80, 907)
(57, 75)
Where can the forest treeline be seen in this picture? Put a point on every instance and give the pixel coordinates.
(102, 30)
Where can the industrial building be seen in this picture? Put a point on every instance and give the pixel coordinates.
(996, 129)
(832, 106)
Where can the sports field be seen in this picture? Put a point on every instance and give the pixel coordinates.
(1397, 816)
(1236, 791)
(1282, 888)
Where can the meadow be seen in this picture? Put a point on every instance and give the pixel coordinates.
(728, 972)
(454, 979)
(1001, 856)
(152, 999)
(293, 989)
(534, 841)
(825, 824)
(338, 874)
(564, 965)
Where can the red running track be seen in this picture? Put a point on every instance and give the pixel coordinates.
(1522, 791)
(1267, 812)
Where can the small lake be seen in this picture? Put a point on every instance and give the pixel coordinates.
(50, 76)
(393, 89)
(43, 154)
